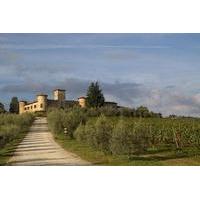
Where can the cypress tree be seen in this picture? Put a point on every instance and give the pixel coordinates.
(95, 97)
(14, 105)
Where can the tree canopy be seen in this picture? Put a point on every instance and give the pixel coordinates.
(2, 109)
(95, 97)
(14, 105)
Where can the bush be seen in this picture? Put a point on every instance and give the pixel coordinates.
(79, 133)
(109, 111)
(128, 139)
(122, 137)
(90, 134)
(55, 121)
(127, 112)
(86, 133)
(11, 125)
(8, 133)
(93, 112)
(103, 134)
(69, 119)
(96, 134)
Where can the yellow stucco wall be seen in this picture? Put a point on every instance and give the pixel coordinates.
(59, 95)
(39, 105)
(82, 102)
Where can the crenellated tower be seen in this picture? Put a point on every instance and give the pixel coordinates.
(42, 102)
(59, 95)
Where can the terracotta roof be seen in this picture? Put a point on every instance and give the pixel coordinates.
(59, 90)
(82, 97)
(42, 94)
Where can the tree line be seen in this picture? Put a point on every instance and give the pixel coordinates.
(95, 99)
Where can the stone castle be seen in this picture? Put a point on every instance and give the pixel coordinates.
(42, 102)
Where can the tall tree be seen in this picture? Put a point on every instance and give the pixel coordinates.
(2, 109)
(14, 105)
(95, 97)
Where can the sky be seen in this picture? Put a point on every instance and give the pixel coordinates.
(160, 71)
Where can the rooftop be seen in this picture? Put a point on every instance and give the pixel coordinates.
(42, 94)
(82, 97)
(59, 90)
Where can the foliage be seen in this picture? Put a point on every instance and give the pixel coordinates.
(110, 111)
(11, 125)
(14, 105)
(95, 97)
(127, 112)
(121, 142)
(55, 120)
(142, 112)
(123, 134)
(2, 109)
(103, 134)
(69, 119)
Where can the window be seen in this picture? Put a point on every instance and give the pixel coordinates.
(24, 108)
(41, 105)
(31, 107)
(35, 106)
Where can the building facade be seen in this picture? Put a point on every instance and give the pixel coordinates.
(42, 103)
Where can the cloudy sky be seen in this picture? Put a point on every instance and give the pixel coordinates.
(161, 71)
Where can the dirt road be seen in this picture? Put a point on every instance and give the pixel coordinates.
(39, 149)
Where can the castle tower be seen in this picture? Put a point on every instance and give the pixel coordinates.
(21, 107)
(59, 95)
(82, 102)
(42, 102)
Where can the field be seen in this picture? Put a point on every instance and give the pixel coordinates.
(122, 140)
(13, 128)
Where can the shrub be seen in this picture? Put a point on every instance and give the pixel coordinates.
(103, 134)
(90, 134)
(93, 112)
(8, 133)
(127, 112)
(122, 137)
(109, 111)
(11, 125)
(95, 133)
(55, 121)
(70, 119)
(79, 133)
(128, 139)
(86, 133)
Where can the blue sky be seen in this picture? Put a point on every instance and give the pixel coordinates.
(160, 71)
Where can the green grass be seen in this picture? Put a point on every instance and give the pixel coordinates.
(8, 150)
(163, 157)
